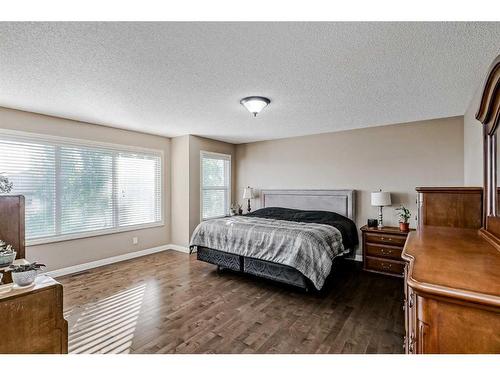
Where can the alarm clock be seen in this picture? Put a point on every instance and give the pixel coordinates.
(372, 223)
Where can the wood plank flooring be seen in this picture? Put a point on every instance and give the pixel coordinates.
(171, 303)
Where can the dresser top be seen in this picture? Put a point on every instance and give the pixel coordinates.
(10, 290)
(453, 262)
(388, 230)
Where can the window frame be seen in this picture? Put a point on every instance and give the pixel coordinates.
(67, 141)
(229, 187)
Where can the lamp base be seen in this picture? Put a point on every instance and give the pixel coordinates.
(380, 218)
(248, 208)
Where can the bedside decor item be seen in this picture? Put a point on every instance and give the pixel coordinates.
(25, 274)
(7, 254)
(404, 215)
(380, 199)
(372, 223)
(248, 194)
(236, 209)
(255, 104)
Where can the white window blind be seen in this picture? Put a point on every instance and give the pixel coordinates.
(74, 190)
(215, 184)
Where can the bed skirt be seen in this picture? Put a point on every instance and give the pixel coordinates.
(262, 268)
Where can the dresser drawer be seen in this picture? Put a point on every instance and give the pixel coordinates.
(384, 265)
(383, 251)
(389, 239)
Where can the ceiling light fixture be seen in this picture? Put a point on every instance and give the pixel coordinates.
(255, 104)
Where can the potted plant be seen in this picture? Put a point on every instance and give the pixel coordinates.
(5, 184)
(25, 274)
(404, 216)
(7, 254)
(236, 209)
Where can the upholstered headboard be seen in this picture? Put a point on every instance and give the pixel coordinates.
(339, 201)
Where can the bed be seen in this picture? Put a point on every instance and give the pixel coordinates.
(293, 238)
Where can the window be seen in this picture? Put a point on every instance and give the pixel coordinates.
(215, 184)
(74, 189)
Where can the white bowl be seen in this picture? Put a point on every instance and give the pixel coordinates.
(6, 260)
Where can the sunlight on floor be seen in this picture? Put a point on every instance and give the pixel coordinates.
(108, 325)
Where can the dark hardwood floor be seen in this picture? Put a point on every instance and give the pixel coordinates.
(171, 303)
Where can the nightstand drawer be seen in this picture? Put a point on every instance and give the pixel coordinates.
(383, 251)
(384, 265)
(389, 239)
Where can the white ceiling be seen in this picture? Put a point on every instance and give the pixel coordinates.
(187, 78)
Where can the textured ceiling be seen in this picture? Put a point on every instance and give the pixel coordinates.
(187, 78)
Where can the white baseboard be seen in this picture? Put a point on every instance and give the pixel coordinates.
(182, 249)
(115, 259)
(135, 254)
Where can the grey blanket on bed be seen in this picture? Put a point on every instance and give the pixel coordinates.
(310, 248)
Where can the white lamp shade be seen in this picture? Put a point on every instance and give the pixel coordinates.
(381, 198)
(248, 193)
(255, 104)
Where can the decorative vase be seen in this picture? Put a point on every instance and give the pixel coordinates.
(404, 227)
(24, 278)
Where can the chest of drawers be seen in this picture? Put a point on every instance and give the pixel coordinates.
(382, 250)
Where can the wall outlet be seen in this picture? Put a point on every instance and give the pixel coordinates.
(135, 240)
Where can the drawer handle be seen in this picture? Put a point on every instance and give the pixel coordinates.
(386, 251)
(386, 266)
(386, 239)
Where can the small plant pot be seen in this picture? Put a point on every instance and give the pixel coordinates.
(404, 227)
(24, 278)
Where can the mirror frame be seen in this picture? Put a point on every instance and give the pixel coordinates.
(488, 115)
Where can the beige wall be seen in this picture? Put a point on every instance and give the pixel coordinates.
(180, 190)
(473, 143)
(186, 182)
(395, 158)
(73, 252)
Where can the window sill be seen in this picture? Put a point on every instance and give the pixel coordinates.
(96, 233)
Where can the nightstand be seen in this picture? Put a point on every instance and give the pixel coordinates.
(382, 250)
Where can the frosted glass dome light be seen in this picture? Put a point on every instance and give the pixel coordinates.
(254, 104)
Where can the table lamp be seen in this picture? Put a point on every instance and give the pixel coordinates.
(248, 194)
(381, 199)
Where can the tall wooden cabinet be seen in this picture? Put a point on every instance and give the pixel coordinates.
(31, 318)
(459, 207)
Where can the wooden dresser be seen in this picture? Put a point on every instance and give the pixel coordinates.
(382, 250)
(32, 318)
(452, 292)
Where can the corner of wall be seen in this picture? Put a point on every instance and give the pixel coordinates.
(473, 144)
